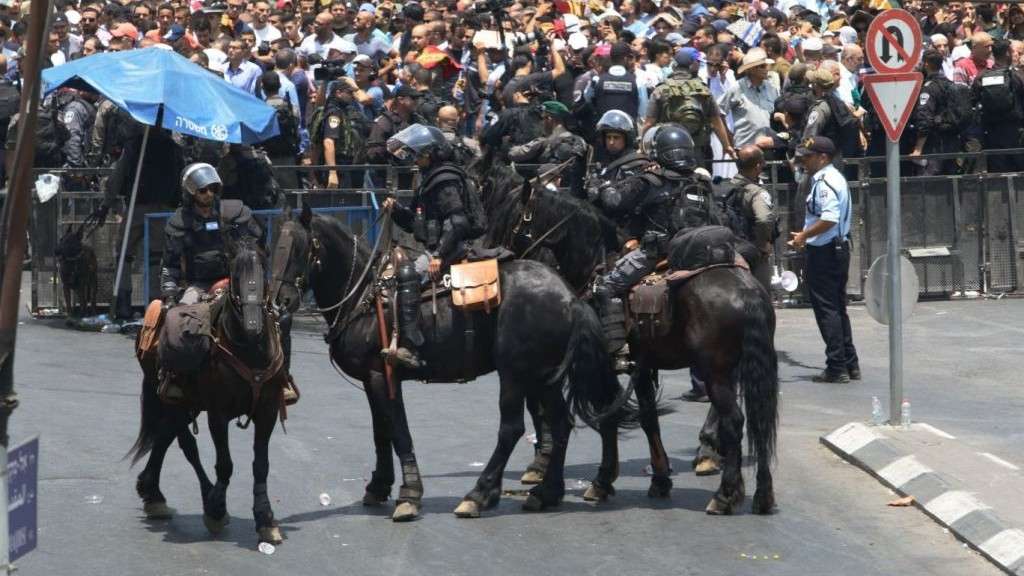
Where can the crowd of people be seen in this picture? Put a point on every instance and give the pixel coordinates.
(527, 81)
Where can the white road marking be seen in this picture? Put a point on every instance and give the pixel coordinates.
(903, 470)
(954, 505)
(1006, 548)
(853, 437)
(999, 460)
(933, 430)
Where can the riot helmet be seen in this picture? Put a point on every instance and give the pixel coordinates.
(673, 148)
(647, 142)
(200, 175)
(617, 121)
(419, 140)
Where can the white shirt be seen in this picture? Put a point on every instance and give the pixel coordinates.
(268, 34)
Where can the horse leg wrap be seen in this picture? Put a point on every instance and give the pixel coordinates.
(412, 487)
(261, 510)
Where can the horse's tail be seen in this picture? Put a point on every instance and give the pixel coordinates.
(152, 410)
(759, 377)
(593, 391)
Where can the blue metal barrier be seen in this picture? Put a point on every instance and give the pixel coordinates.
(360, 219)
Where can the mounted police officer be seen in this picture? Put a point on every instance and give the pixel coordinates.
(557, 146)
(651, 206)
(616, 151)
(195, 250)
(445, 215)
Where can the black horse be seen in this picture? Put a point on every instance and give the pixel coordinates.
(539, 338)
(723, 325)
(243, 378)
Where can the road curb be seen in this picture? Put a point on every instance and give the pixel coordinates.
(940, 497)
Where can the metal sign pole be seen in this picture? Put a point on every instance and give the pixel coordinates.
(894, 288)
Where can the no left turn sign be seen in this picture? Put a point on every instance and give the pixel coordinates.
(894, 42)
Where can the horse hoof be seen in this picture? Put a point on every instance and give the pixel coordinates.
(373, 500)
(406, 512)
(467, 509)
(532, 477)
(158, 511)
(718, 508)
(271, 534)
(656, 491)
(595, 494)
(763, 504)
(533, 503)
(706, 467)
(214, 525)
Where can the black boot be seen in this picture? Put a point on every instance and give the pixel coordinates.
(613, 320)
(408, 301)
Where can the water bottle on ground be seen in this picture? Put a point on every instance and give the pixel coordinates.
(877, 417)
(905, 414)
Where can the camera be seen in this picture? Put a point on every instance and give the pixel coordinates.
(522, 38)
(328, 69)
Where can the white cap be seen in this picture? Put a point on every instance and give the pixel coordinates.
(960, 52)
(847, 35)
(572, 23)
(577, 41)
(938, 38)
(813, 44)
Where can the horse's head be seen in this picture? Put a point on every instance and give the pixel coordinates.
(295, 258)
(249, 287)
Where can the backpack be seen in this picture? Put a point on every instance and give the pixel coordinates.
(316, 128)
(731, 208)
(51, 133)
(958, 111)
(683, 104)
(286, 143)
(844, 129)
(996, 96)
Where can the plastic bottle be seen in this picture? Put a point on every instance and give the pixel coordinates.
(905, 414)
(877, 416)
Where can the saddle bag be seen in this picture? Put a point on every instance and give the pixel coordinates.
(650, 308)
(149, 335)
(475, 285)
(186, 339)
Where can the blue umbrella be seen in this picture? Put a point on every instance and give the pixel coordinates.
(194, 102)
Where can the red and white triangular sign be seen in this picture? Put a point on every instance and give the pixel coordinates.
(894, 96)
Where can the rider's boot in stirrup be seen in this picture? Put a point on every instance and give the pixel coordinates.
(408, 301)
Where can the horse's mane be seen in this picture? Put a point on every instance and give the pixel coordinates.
(337, 234)
(574, 246)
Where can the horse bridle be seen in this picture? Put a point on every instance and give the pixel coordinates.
(301, 280)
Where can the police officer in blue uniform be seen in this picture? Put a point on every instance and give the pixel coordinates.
(826, 236)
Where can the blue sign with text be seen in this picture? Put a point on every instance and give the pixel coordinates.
(22, 484)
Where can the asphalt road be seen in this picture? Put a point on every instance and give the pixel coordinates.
(79, 392)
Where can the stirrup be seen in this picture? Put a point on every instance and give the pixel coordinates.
(402, 356)
(622, 363)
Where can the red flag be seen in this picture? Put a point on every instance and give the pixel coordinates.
(431, 57)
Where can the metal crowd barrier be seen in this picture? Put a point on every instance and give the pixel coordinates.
(961, 231)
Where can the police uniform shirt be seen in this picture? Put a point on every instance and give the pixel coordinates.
(829, 200)
(332, 125)
(817, 119)
(617, 70)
